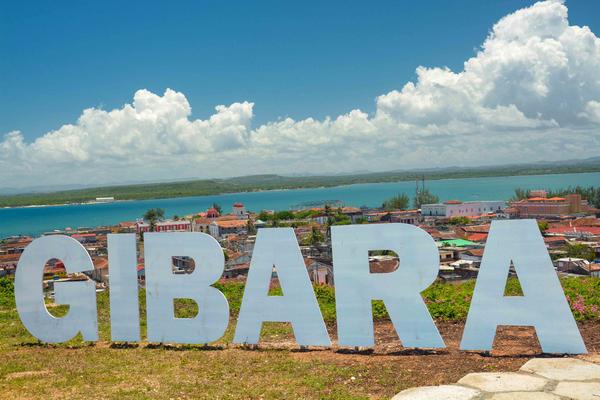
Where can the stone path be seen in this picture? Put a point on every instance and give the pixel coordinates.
(538, 379)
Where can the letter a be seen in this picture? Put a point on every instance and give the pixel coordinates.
(278, 247)
(543, 304)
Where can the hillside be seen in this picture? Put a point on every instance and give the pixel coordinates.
(277, 368)
(270, 182)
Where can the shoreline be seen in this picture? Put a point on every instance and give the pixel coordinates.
(35, 220)
(289, 189)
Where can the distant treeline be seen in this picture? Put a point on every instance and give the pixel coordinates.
(591, 194)
(269, 182)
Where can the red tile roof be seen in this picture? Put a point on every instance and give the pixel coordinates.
(237, 223)
(477, 237)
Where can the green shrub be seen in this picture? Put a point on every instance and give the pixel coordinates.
(445, 301)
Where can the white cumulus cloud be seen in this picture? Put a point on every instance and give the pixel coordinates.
(531, 92)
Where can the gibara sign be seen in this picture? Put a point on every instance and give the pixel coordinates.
(519, 242)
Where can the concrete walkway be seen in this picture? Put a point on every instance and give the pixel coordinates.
(538, 379)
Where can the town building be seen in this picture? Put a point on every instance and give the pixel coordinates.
(200, 224)
(212, 213)
(220, 228)
(549, 207)
(354, 213)
(239, 210)
(181, 225)
(319, 271)
(456, 208)
(573, 265)
(406, 216)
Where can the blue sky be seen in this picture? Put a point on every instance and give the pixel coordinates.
(298, 59)
(201, 89)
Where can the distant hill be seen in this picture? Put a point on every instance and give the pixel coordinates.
(202, 187)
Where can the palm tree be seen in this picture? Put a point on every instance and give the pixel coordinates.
(329, 221)
(154, 215)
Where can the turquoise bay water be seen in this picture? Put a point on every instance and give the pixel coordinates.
(36, 220)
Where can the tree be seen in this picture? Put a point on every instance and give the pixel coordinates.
(399, 202)
(459, 221)
(580, 250)
(154, 215)
(315, 237)
(424, 196)
(283, 215)
(251, 228)
(520, 194)
(543, 225)
(217, 207)
(330, 220)
(591, 194)
(264, 216)
(341, 219)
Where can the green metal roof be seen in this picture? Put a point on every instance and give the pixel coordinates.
(459, 243)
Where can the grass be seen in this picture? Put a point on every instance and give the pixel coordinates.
(79, 369)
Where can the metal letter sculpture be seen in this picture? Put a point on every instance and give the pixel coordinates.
(278, 247)
(516, 242)
(80, 296)
(356, 287)
(124, 302)
(163, 287)
(543, 304)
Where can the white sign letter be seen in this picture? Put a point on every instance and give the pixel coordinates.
(356, 287)
(278, 247)
(543, 304)
(80, 296)
(163, 287)
(124, 303)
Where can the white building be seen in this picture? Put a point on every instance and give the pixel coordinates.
(218, 229)
(455, 208)
(239, 210)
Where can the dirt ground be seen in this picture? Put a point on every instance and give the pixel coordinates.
(276, 368)
(513, 346)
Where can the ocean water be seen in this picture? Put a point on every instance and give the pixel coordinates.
(36, 220)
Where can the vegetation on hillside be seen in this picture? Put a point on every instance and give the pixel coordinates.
(580, 250)
(424, 196)
(459, 221)
(398, 202)
(269, 182)
(79, 369)
(447, 301)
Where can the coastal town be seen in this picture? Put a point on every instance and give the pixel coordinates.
(570, 227)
